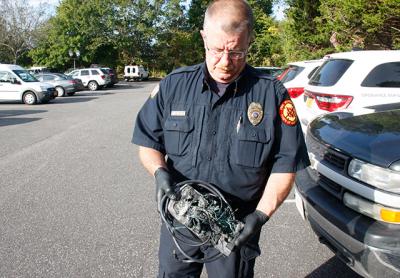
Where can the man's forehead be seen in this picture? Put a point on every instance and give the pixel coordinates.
(216, 36)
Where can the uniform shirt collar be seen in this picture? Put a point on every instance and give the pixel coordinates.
(206, 76)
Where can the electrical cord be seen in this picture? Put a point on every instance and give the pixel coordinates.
(170, 221)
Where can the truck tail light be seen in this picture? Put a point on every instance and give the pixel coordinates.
(295, 92)
(330, 102)
(103, 77)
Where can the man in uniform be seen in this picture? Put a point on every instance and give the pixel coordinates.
(227, 124)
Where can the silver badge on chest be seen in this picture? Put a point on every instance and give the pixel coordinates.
(255, 113)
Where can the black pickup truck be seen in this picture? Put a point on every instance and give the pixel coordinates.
(350, 194)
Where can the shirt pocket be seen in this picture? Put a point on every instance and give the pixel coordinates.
(178, 135)
(251, 146)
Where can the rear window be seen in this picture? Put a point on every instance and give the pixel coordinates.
(291, 73)
(265, 70)
(95, 72)
(330, 72)
(62, 77)
(104, 71)
(312, 72)
(384, 75)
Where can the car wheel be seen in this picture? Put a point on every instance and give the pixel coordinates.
(71, 94)
(93, 86)
(29, 98)
(60, 91)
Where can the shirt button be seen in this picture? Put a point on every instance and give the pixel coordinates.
(209, 158)
(214, 132)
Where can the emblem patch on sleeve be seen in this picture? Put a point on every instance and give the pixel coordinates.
(155, 91)
(288, 114)
(255, 113)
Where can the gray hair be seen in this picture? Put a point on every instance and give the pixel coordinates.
(240, 8)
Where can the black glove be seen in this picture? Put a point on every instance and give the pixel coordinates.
(252, 224)
(164, 183)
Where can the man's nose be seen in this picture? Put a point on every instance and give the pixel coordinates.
(225, 59)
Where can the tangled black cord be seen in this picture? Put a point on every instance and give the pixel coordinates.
(168, 219)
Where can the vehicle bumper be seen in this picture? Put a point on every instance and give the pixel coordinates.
(79, 88)
(45, 96)
(70, 89)
(369, 247)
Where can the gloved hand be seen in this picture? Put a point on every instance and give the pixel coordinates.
(164, 183)
(252, 224)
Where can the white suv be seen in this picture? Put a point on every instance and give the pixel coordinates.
(93, 78)
(296, 77)
(357, 82)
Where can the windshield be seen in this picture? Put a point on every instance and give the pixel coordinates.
(291, 73)
(25, 76)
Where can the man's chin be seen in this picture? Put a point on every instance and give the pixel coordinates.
(224, 77)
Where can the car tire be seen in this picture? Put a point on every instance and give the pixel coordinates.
(71, 94)
(29, 98)
(60, 91)
(93, 86)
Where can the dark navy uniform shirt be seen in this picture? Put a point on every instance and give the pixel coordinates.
(211, 138)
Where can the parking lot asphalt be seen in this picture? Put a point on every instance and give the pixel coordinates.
(75, 202)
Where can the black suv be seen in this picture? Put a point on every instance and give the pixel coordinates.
(350, 194)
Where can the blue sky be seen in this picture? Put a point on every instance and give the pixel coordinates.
(278, 9)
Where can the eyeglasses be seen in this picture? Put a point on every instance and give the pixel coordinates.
(232, 54)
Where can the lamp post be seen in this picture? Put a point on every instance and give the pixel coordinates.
(71, 54)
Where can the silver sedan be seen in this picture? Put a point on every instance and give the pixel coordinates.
(65, 85)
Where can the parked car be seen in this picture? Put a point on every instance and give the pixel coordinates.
(113, 75)
(360, 81)
(274, 71)
(64, 84)
(92, 78)
(78, 85)
(296, 77)
(135, 73)
(350, 195)
(17, 84)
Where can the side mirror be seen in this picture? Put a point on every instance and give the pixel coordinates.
(15, 81)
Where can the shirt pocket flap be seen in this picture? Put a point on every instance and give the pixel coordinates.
(182, 124)
(254, 134)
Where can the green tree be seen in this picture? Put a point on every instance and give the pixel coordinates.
(266, 49)
(172, 45)
(302, 39)
(105, 32)
(367, 24)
